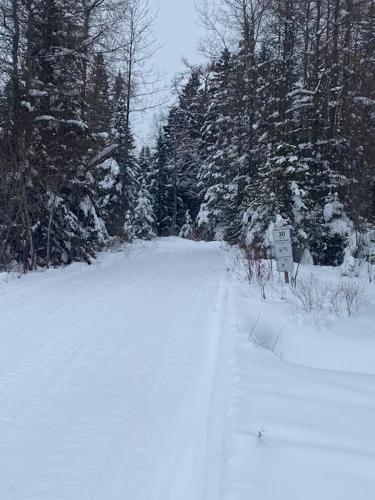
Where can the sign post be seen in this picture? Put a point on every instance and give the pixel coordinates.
(284, 251)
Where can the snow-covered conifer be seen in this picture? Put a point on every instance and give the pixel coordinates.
(143, 217)
(187, 229)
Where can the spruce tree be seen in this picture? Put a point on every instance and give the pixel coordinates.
(125, 156)
(99, 111)
(143, 223)
(187, 230)
(214, 175)
(162, 187)
(109, 195)
(69, 227)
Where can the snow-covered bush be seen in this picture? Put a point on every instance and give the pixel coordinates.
(350, 266)
(143, 218)
(128, 227)
(187, 229)
(333, 234)
(369, 246)
(205, 223)
(360, 249)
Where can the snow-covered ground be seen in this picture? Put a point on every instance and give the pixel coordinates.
(302, 404)
(135, 379)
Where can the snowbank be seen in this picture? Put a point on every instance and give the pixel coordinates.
(302, 408)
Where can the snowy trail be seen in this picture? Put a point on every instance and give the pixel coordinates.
(134, 379)
(107, 377)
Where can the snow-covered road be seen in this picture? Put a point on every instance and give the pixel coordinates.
(107, 375)
(134, 379)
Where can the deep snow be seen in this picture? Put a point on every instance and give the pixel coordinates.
(302, 406)
(135, 379)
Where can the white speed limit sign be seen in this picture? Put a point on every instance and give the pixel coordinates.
(282, 239)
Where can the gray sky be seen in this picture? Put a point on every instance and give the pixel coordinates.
(178, 31)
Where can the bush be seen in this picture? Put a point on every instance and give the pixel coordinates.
(353, 296)
(310, 293)
(257, 268)
(345, 297)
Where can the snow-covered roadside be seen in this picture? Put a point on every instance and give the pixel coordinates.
(302, 410)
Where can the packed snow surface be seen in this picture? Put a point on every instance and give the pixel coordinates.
(134, 379)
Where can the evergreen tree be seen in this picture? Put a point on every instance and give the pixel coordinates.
(162, 187)
(99, 112)
(187, 230)
(124, 155)
(109, 195)
(214, 175)
(68, 227)
(148, 172)
(143, 218)
(281, 127)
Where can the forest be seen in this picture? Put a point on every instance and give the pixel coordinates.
(277, 126)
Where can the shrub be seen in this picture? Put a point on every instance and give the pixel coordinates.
(345, 297)
(257, 268)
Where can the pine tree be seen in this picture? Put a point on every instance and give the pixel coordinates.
(281, 193)
(98, 99)
(162, 187)
(146, 167)
(187, 230)
(281, 127)
(214, 175)
(178, 158)
(109, 195)
(190, 116)
(143, 218)
(68, 228)
(124, 155)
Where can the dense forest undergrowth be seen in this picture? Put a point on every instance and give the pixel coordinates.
(276, 128)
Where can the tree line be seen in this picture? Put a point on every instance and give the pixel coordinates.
(277, 126)
(70, 73)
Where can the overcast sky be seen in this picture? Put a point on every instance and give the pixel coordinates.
(178, 31)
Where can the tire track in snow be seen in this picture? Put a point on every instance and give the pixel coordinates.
(112, 389)
(192, 461)
(179, 363)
